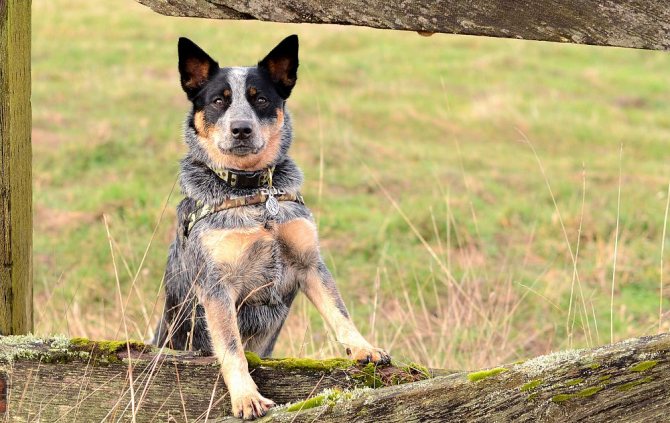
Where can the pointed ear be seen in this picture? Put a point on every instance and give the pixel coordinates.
(282, 65)
(195, 66)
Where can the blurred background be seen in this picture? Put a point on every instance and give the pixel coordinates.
(470, 193)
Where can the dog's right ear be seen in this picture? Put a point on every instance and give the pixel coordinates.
(195, 67)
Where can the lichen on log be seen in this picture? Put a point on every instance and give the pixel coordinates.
(64, 379)
(86, 380)
(626, 381)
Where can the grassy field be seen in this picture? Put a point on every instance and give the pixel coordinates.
(466, 189)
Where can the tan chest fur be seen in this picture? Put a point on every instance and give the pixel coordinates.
(246, 253)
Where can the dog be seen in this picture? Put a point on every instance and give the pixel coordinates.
(246, 243)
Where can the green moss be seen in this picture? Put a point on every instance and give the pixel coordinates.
(587, 392)
(369, 377)
(594, 366)
(413, 368)
(584, 393)
(562, 397)
(630, 385)
(307, 404)
(108, 347)
(299, 363)
(604, 378)
(532, 396)
(643, 366)
(253, 359)
(29, 347)
(574, 382)
(106, 351)
(328, 397)
(483, 374)
(531, 385)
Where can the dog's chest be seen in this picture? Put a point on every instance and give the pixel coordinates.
(263, 263)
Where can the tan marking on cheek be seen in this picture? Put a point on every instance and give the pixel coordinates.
(280, 119)
(206, 139)
(227, 246)
(252, 91)
(299, 235)
(200, 124)
(227, 93)
(214, 153)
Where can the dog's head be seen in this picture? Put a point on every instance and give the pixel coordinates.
(238, 116)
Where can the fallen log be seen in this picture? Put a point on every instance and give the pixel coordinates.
(624, 23)
(66, 380)
(627, 382)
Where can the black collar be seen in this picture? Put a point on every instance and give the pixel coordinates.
(242, 179)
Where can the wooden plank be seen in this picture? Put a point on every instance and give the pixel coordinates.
(623, 382)
(641, 24)
(79, 380)
(16, 315)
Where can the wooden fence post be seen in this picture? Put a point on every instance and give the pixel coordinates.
(16, 273)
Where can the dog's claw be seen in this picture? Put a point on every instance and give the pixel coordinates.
(365, 355)
(251, 405)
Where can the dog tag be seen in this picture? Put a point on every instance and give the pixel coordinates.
(272, 205)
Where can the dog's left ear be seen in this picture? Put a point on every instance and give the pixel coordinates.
(195, 67)
(282, 65)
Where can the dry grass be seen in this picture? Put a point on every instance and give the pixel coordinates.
(480, 230)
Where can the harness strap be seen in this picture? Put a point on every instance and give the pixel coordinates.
(204, 210)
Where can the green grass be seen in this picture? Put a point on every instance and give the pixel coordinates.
(439, 122)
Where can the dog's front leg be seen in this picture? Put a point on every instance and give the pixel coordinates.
(319, 286)
(227, 344)
(300, 239)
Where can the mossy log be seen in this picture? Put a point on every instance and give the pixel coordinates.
(67, 380)
(627, 381)
(63, 379)
(624, 23)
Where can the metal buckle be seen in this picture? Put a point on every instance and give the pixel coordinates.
(272, 191)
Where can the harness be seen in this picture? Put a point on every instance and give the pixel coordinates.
(270, 195)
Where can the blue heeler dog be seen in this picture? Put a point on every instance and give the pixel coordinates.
(246, 243)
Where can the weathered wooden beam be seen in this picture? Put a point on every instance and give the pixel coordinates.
(625, 382)
(641, 24)
(79, 380)
(68, 380)
(16, 232)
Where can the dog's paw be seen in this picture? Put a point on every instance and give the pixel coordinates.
(365, 355)
(250, 405)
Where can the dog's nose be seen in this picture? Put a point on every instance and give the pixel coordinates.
(241, 129)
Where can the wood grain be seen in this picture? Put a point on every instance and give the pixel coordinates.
(55, 380)
(641, 24)
(15, 169)
(63, 380)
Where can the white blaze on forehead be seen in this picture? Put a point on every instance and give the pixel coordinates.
(240, 107)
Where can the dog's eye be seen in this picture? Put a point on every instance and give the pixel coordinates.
(261, 100)
(218, 101)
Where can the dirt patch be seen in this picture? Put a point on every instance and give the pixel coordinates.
(46, 138)
(53, 220)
